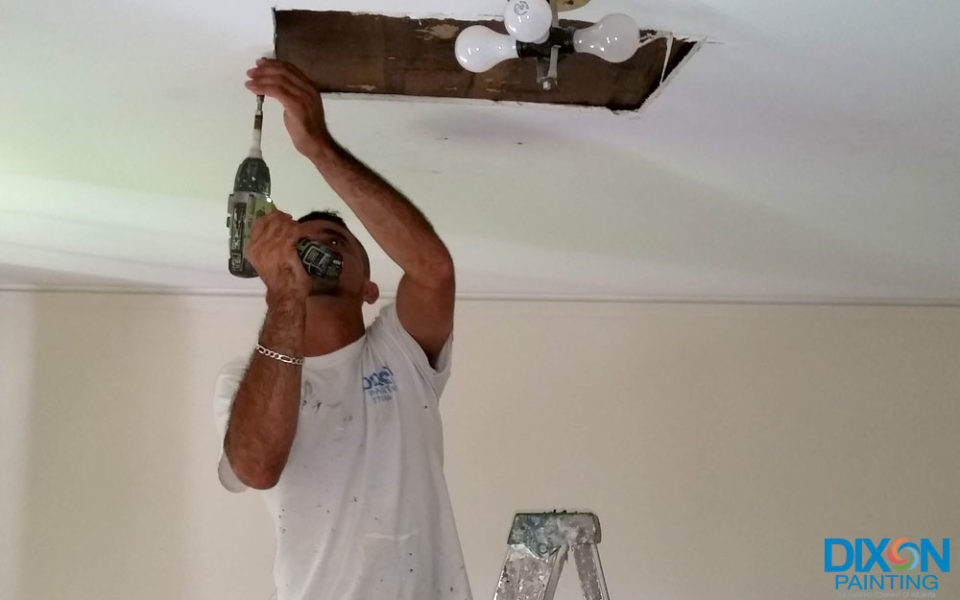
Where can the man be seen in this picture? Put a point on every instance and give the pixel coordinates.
(337, 423)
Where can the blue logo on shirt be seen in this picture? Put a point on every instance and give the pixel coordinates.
(379, 386)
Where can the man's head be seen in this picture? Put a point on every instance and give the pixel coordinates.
(327, 227)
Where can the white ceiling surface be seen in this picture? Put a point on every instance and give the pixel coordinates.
(808, 152)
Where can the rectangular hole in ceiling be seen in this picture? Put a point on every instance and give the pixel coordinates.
(377, 54)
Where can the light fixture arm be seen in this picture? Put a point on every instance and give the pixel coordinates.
(548, 53)
(547, 70)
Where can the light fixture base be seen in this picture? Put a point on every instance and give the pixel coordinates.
(565, 5)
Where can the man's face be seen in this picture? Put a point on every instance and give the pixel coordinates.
(354, 275)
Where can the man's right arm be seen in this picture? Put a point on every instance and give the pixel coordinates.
(263, 418)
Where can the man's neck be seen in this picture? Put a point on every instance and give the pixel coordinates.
(331, 324)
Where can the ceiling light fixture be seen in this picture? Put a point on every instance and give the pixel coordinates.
(534, 30)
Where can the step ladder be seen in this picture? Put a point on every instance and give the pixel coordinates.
(538, 547)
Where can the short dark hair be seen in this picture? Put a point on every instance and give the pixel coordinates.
(324, 215)
(334, 217)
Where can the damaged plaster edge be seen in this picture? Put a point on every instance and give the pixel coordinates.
(639, 112)
(403, 15)
(539, 106)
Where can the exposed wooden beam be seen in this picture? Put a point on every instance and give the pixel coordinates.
(377, 54)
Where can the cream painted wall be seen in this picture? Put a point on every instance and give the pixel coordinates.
(720, 444)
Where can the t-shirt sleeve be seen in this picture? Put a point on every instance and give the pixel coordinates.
(388, 325)
(228, 381)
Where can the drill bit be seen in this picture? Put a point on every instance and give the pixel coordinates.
(253, 174)
(257, 129)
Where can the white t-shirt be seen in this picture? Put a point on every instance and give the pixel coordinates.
(361, 510)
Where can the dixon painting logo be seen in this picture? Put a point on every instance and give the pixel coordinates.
(380, 385)
(888, 567)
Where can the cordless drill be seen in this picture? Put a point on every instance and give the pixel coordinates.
(250, 201)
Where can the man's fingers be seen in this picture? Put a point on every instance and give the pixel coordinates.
(280, 83)
(291, 76)
(290, 98)
(274, 226)
(272, 217)
(258, 77)
(272, 63)
(278, 223)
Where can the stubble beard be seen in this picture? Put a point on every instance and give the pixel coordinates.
(325, 287)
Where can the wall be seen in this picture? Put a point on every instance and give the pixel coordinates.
(719, 444)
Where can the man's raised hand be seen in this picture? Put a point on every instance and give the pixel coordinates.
(272, 252)
(301, 101)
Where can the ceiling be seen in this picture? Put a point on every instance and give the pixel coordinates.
(807, 152)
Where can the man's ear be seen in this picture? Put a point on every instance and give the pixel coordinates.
(370, 292)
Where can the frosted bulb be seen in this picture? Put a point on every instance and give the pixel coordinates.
(528, 20)
(614, 38)
(479, 48)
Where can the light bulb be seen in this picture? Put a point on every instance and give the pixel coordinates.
(528, 20)
(479, 48)
(614, 38)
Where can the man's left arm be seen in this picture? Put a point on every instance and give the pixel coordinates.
(425, 296)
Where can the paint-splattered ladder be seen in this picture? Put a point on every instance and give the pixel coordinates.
(538, 546)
